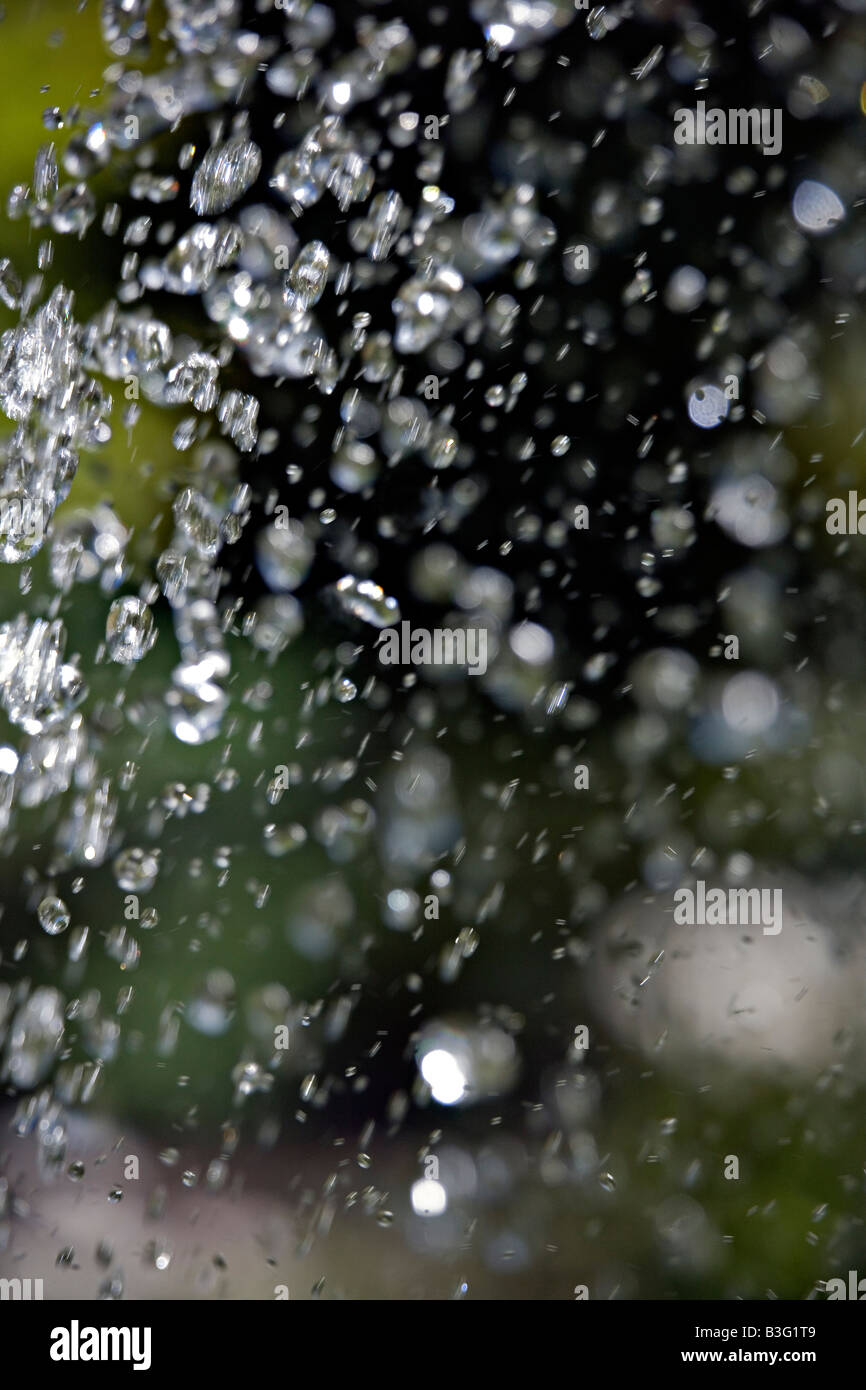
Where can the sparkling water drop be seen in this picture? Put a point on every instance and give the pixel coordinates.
(224, 175)
(361, 598)
(130, 631)
(53, 916)
(136, 870)
(515, 24)
(309, 275)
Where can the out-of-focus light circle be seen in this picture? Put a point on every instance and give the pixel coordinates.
(708, 407)
(531, 643)
(428, 1197)
(748, 509)
(444, 1076)
(816, 207)
(750, 703)
(8, 760)
(685, 289)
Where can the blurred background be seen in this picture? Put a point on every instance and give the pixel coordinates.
(503, 1071)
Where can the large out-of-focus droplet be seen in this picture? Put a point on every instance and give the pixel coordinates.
(284, 554)
(130, 631)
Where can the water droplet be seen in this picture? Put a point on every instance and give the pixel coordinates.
(515, 24)
(361, 598)
(53, 916)
(224, 175)
(284, 555)
(130, 631)
(816, 207)
(309, 275)
(136, 870)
